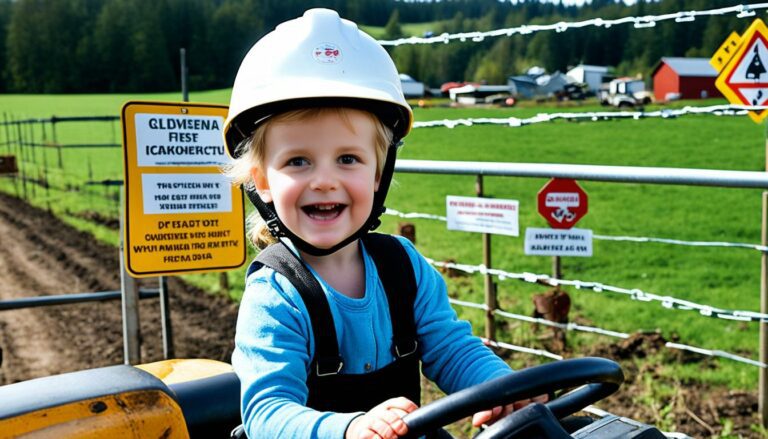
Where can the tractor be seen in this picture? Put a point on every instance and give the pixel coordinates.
(200, 399)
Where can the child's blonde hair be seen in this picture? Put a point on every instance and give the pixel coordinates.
(251, 153)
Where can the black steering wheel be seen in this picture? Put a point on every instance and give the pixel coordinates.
(599, 377)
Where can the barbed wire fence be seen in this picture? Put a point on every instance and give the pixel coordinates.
(742, 11)
(646, 21)
(45, 163)
(635, 294)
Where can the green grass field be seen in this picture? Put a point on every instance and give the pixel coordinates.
(409, 29)
(721, 277)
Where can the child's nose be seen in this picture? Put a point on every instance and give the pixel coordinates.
(323, 180)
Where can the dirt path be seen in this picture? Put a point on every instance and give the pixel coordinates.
(40, 255)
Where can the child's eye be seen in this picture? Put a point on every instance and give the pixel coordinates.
(348, 159)
(297, 161)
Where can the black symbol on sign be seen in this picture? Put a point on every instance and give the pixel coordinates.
(756, 67)
(756, 100)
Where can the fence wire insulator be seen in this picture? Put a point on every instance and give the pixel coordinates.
(685, 17)
(642, 24)
(745, 12)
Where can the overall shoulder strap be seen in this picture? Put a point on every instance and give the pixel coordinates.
(399, 281)
(278, 257)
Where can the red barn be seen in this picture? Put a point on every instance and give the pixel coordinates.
(684, 78)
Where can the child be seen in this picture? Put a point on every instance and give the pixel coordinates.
(331, 328)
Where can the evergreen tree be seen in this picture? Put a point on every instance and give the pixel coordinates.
(393, 30)
(133, 45)
(5, 16)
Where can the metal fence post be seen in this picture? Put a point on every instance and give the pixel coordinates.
(130, 305)
(19, 160)
(56, 142)
(165, 321)
(7, 136)
(184, 72)
(763, 381)
(762, 391)
(490, 288)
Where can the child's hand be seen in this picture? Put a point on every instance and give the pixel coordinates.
(488, 417)
(383, 421)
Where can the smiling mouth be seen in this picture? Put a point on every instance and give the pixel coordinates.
(323, 212)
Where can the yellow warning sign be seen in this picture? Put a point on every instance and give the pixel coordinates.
(743, 62)
(725, 51)
(181, 213)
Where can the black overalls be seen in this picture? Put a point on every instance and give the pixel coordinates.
(329, 388)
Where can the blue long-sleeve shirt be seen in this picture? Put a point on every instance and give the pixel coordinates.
(274, 347)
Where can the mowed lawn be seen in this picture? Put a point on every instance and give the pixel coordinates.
(720, 277)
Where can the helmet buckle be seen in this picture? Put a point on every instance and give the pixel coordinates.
(274, 227)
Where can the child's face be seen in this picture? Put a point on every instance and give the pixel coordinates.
(321, 175)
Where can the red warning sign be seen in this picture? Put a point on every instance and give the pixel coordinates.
(562, 202)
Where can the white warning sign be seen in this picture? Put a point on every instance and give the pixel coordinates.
(558, 242)
(186, 193)
(484, 215)
(179, 140)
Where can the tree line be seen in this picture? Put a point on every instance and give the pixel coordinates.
(78, 46)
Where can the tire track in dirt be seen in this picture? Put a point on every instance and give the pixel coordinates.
(41, 255)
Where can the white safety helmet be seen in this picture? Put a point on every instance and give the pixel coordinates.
(317, 59)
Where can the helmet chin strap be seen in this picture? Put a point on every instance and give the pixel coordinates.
(279, 230)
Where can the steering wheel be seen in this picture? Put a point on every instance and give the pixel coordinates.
(599, 377)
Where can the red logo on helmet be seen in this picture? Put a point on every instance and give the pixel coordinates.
(327, 53)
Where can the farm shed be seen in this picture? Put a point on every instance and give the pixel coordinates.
(539, 85)
(522, 86)
(590, 75)
(411, 87)
(549, 85)
(684, 78)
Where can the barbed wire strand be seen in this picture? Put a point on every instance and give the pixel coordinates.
(594, 116)
(668, 302)
(511, 347)
(761, 248)
(600, 331)
(646, 21)
(394, 212)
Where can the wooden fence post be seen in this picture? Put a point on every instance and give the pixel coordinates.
(491, 302)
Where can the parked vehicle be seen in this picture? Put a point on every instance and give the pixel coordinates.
(572, 92)
(625, 92)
